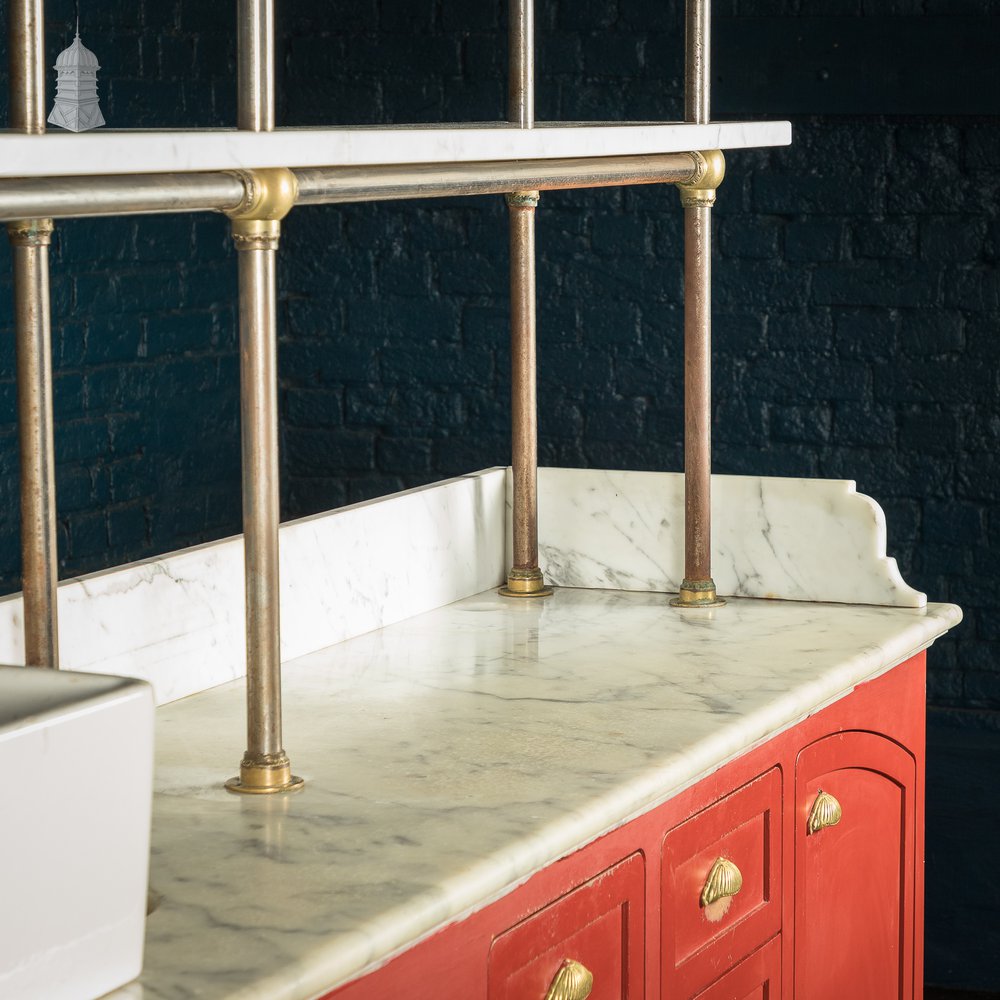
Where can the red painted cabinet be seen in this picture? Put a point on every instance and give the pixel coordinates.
(810, 902)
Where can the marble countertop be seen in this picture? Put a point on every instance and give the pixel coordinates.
(451, 755)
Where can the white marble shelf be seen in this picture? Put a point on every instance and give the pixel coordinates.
(65, 154)
(449, 756)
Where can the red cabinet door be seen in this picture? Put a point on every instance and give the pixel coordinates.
(854, 881)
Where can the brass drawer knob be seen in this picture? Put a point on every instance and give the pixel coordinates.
(825, 812)
(725, 879)
(573, 982)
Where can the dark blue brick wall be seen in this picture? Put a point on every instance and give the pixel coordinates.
(856, 292)
(857, 289)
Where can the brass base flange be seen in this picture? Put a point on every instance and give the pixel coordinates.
(697, 594)
(525, 583)
(264, 778)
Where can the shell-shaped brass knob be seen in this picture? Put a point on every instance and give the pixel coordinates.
(825, 812)
(725, 879)
(573, 982)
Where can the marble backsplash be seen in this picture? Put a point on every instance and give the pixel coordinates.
(177, 620)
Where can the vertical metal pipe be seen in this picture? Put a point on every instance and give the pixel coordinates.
(521, 58)
(698, 588)
(33, 333)
(256, 230)
(697, 60)
(259, 424)
(697, 394)
(255, 65)
(524, 410)
(524, 578)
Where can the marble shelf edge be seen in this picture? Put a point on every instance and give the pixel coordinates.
(177, 620)
(61, 154)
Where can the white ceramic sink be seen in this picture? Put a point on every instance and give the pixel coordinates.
(76, 765)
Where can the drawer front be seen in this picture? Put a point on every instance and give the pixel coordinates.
(600, 925)
(735, 843)
(755, 978)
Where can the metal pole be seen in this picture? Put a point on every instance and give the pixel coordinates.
(698, 588)
(256, 230)
(138, 194)
(30, 240)
(524, 578)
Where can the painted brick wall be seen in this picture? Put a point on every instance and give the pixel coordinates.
(856, 284)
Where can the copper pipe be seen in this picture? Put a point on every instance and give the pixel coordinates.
(265, 766)
(697, 197)
(30, 238)
(524, 578)
(137, 194)
(697, 393)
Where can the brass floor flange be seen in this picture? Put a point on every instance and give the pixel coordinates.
(525, 583)
(264, 779)
(698, 594)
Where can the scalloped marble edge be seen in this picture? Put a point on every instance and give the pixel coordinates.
(783, 538)
(177, 620)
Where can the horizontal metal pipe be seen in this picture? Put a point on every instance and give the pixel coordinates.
(128, 194)
(329, 185)
(148, 194)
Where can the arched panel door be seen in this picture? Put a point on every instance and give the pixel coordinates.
(854, 869)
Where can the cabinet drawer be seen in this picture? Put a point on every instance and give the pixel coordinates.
(703, 939)
(600, 924)
(755, 978)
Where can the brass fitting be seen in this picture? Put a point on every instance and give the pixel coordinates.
(265, 775)
(269, 196)
(30, 232)
(525, 583)
(522, 199)
(698, 594)
(710, 169)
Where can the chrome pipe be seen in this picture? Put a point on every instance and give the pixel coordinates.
(524, 579)
(332, 185)
(135, 194)
(697, 393)
(697, 60)
(265, 767)
(30, 235)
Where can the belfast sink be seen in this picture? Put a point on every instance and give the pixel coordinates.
(76, 756)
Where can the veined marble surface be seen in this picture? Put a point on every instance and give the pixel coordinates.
(793, 539)
(152, 151)
(177, 620)
(450, 756)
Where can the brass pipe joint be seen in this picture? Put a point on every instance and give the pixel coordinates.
(265, 774)
(269, 196)
(709, 171)
(698, 594)
(30, 232)
(522, 199)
